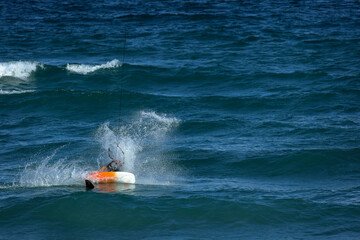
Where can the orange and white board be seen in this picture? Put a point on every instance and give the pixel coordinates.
(111, 177)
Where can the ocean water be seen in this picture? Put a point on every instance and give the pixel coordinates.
(239, 119)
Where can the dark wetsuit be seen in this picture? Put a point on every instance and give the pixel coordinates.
(114, 166)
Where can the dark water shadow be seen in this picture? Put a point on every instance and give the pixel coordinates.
(113, 187)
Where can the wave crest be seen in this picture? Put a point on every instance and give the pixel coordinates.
(9, 92)
(160, 118)
(85, 68)
(18, 69)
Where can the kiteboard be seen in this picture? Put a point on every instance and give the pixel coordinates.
(111, 177)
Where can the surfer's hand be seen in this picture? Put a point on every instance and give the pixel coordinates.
(103, 169)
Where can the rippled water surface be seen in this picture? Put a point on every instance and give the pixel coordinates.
(239, 119)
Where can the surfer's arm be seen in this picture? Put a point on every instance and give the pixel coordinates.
(103, 169)
(109, 154)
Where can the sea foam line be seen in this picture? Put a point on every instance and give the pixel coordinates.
(9, 92)
(85, 69)
(18, 69)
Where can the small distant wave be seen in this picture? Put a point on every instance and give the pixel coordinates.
(9, 92)
(85, 69)
(18, 69)
(160, 118)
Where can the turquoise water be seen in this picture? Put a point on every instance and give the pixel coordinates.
(239, 119)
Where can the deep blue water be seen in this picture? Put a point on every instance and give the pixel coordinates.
(239, 119)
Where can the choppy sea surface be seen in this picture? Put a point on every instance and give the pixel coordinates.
(239, 119)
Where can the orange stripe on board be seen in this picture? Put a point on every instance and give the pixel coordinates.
(103, 177)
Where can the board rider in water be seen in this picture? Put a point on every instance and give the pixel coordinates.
(114, 166)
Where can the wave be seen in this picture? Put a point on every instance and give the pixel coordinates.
(194, 16)
(160, 118)
(19, 69)
(9, 92)
(85, 68)
(24, 69)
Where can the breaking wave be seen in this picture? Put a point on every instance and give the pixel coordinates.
(153, 117)
(85, 69)
(9, 92)
(18, 69)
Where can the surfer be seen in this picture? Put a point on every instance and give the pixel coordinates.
(114, 166)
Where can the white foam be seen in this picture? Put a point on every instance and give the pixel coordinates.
(9, 92)
(18, 69)
(85, 69)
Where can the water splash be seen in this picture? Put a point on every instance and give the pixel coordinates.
(85, 69)
(142, 141)
(117, 143)
(51, 173)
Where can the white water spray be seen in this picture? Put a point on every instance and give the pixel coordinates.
(51, 173)
(142, 142)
